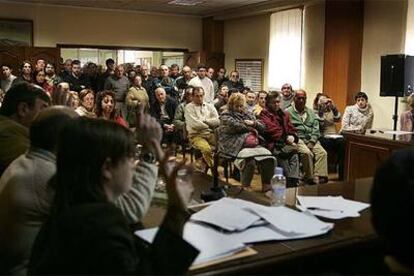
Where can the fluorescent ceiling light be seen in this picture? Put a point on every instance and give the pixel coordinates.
(185, 2)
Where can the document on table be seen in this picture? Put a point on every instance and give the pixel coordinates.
(227, 215)
(211, 243)
(398, 132)
(333, 207)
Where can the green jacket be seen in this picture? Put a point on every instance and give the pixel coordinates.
(308, 130)
(14, 141)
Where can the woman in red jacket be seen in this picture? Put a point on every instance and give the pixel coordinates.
(281, 137)
(105, 108)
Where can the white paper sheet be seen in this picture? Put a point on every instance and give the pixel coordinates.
(226, 214)
(211, 243)
(398, 132)
(333, 207)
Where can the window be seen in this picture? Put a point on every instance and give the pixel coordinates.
(135, 57)
(285, 48)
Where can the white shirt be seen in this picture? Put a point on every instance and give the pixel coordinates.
(200, 119)
(207, 86)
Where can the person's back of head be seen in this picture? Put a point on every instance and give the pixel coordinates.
(79, 177)
(45, 129)
(392, 199)
(23, 102)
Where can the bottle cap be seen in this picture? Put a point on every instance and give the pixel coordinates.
(279, 171)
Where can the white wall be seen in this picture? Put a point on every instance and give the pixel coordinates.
(70, 25)
(384, 33)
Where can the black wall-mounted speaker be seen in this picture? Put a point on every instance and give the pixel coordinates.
(397, 75)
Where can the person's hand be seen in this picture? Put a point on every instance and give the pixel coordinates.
(60, 96)
(310, 145)
(148, 132)
(249, 122)
(179, 193)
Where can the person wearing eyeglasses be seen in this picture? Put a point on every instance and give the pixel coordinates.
(235, 81)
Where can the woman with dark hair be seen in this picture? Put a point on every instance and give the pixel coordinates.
(105, 108)
(238, 137)
(281, 137)
(39, 78)
(358, 117)
(87, 102)
(86, 233)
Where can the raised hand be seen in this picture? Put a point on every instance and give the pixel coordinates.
(148, 132)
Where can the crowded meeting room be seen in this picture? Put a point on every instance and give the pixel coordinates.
(206, 137)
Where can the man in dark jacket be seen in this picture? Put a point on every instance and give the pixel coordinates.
(235, 81)
(77, 81)
(163, 110)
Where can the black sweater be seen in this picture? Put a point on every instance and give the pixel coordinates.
(95, 239)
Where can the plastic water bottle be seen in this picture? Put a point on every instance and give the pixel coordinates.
(278, 183)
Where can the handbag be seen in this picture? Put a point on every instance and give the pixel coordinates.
(251, 140)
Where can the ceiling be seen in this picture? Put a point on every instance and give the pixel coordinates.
(202, 8)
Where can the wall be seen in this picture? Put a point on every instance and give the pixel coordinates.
(249, 38)
(313, 49)
(70, 25)
(384, 33)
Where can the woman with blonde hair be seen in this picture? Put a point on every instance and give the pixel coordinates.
(238, 137)
(87, 102)
(407, 117)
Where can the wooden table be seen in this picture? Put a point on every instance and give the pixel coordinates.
(351, 247)
(365, 152)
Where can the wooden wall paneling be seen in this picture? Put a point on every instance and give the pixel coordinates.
(12, 56)
(49, 54)
(210, 59)
(343, 50)
(213, 35)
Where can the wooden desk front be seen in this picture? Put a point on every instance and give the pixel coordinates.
(365, 152)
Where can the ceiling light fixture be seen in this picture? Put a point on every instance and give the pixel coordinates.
(186, 2)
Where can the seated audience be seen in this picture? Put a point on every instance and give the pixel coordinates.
(20, 106)
(250, 101)
(358, 117)
(40, 79)
(261, 103)
(174, 71)
(7, 77)
(281, 137)
(76, 79)
(392, 205)
(166, 82)
(25, 195)
(40, 65)
(313, 156)
(87, 104)
(182, 82)
(179, 118)
(328, 115)
(73, 100)
(238, 137)
(163, 110)
(51, 77)
(201, 80)
(221, 78)
(105, 108)
(234, 82)
(201, 119)
(136, 95)
(120, 85)
(407, 117)
(86, 233)
(287, 95)
(25, 73)
(222, 99)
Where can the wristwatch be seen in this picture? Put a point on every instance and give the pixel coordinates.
(148, 157)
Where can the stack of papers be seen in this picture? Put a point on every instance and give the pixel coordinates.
(228, 225)
(332, 207)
